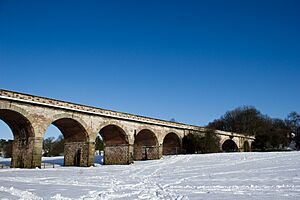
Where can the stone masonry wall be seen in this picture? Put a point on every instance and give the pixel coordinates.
(146, 152)
(117, 155)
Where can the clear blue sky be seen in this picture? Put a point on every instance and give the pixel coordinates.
(188, 60)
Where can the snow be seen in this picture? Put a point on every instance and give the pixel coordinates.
(265, 176)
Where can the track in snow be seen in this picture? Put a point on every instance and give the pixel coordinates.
(273, 175)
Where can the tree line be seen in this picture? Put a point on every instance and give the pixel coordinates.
(207, 142)
(6, 148)
(270, 133)
(55, 147)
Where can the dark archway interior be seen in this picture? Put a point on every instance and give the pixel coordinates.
(74, 143)
(171, 144)
(21, 147)
(116, 148)
(246, 146)
(72, 130)
(146, 146)
(146, 138)
(229, 146)
(113, 135)
(19, 125)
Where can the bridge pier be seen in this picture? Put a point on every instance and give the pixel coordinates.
(37, 152)
(160, 150)
(91, 154)
(26, 153)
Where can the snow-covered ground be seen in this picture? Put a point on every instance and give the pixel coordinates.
(264, 176)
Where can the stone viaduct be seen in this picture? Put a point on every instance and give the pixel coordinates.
(126, 137)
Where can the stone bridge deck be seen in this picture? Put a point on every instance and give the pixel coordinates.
(43, 101)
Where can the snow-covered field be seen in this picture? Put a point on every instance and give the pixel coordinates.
(212, 176)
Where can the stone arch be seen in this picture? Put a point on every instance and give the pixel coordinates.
(76, 139)
(116, 144)
(113, 135)
(140, 128)
(79, 121)
(146, 145)
(117, 124)
(72, 130)
(229, 146)
(246, 146)
(171, 144)
(23, 146)
(21, 111)
(19, 124)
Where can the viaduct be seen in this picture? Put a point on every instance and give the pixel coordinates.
(126, 137)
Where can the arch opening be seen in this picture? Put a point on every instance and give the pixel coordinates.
(21, 147)
(6, 140)
(146, 146)
(113, 135)
(229, 146)
(116, 146)
(53, 146)
(246, 146)
(99, 150)
(171, 144)
(71, 129)
(72, 144)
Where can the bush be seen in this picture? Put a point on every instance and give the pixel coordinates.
(201, 143)
(53, 147)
